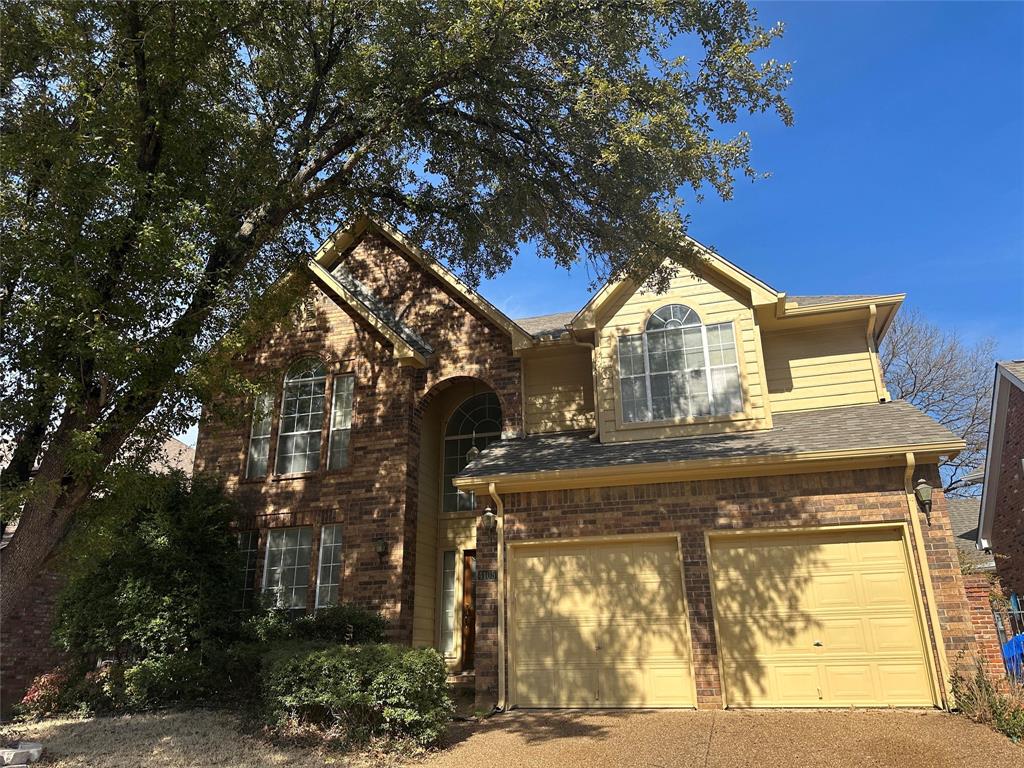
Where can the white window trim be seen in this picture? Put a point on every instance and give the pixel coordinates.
(263, 399)
(281, 434)
(266, 563)
(330, 418)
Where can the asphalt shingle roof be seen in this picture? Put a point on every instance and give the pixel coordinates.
(831, 298)
(382, 311)
(963, 517)
(543, 325)
(878, 425)
(1016, 367)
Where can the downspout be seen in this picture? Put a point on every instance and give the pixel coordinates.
(499, 509)
(593, 380)
(939, 647)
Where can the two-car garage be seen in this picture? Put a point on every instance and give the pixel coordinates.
(821, 618)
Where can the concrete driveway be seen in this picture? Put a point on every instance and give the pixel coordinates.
(766, 739)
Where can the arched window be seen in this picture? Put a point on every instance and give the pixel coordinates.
(474, 424)
(679, 368)
(302, 416)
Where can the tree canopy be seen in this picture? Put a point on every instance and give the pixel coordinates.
(164, 163)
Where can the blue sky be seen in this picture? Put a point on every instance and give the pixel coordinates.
(904, 170)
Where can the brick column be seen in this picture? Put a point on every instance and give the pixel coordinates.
(486, 651)
(978, 587)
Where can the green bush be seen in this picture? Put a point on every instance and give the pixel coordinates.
(999, 704)
(366, 691)
(346, 624)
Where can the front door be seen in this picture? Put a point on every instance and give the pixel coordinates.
(468, 608)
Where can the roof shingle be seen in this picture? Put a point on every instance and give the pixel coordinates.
(877, 425)
(963, 518)
(543, 325)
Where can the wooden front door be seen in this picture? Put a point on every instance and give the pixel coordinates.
(468, 608)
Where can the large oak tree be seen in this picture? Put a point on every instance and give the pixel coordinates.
(164, 163)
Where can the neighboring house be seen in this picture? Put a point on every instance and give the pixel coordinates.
(25, 647)
(700, 498)
(963, 519)
(1001, 528)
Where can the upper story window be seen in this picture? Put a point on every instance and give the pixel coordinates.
(259, 436)
(302, 415)
(679, 368)
(474, 424)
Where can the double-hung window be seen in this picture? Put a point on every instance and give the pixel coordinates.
(286, 571)
(248, 546)
(329, 575)
(679, 368)
(302, 415)
(259, 436)
(341, 422)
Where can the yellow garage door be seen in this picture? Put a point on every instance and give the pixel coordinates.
(825, 619)
(599, 625)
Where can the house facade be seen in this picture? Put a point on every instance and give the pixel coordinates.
(702, 498)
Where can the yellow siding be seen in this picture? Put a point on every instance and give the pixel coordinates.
(715, 302)
(425, 587)
(819, 367)
(558, 390)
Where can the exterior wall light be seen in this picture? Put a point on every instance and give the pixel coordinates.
(490, 520)
(923, 492)
(380, 546)
(472, 454)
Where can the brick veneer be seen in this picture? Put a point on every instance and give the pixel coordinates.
(26, 649)
(1008, 520)
(374, 497)
(978, 588)
(691, 508)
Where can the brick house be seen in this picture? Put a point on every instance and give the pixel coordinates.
(696, 499)
(1001, 527)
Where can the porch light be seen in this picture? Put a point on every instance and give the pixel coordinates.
(471, 454)
(380, 546)
(490, 521)
(923, 492)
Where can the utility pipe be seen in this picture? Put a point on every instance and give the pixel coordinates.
(499, 508)
(922, 556)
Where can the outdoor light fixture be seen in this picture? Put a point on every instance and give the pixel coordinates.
(380, 546)
(490, 521)
(923, 492)
(471, 454)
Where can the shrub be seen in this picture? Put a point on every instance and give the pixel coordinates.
(367, 690)
(997, 704)
(71, 688)
(159, 680)
(345, 624)
(153, 582)
(47, 693)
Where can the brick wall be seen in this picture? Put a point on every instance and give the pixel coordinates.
(978, 588)
(689, 509)
(26, 649)
(1008, 520)
(375, 496)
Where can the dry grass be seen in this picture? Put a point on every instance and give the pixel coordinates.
(177, 739)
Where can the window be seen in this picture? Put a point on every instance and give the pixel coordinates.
(678, 368)
(259, 436)
(248, 545)
(302, 415)
(286, 572)
(448, 603)
(474, 424)
(329, 574)
(341, 422)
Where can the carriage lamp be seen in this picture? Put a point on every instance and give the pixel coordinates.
(380, 546)
(923, 492)
(472, 454)
(490, 521)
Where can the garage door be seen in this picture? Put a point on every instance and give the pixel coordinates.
(599, 625)
(819, 620)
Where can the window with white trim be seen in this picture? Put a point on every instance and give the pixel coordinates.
(474, 424)
(248, 546)
(679, 368)
(448, 603)
(302, 416)
(286, 570)
(341, 422)
(329, 573)
(259, 436)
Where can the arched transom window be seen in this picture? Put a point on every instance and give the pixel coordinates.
(679, 368)
(474, 424)
(302, 415)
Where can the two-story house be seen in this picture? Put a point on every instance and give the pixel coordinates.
(701, 498)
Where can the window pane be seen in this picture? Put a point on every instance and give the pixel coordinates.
(341, 422)
(329, 573)
(259, 436)
(448, 603)
(726, 384)
(475, 423)
(248, 545)
(286, 574)
(302, 417)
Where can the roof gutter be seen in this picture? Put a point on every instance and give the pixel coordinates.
(705, 469)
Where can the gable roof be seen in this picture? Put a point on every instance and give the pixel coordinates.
(547, 325)
(1009, 374)
(348, 235)
(877, 429)
(761, 292)
(963, 518)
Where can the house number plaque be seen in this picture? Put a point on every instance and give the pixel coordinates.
(486, 575)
